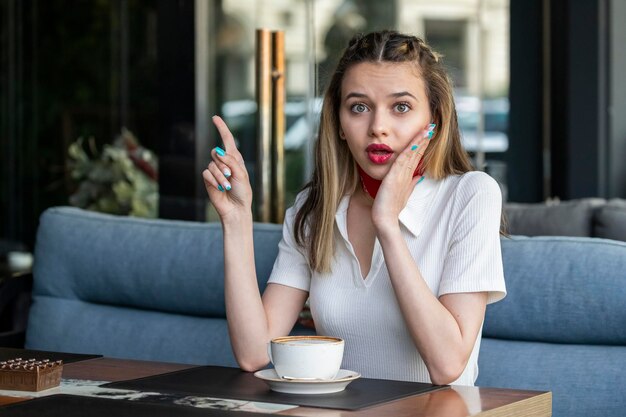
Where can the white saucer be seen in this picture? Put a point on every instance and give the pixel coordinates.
(295, 386)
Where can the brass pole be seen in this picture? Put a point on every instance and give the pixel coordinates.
(278, 126)
(264, 124)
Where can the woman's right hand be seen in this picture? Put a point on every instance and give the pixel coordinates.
(229, 173)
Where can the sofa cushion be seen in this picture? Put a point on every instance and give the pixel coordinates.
(165, 265)
(585, 380)
(561, 290)
(610, 220)
(135, 288)
(69, 325)
(568, 218)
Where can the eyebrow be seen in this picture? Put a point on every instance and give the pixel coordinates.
(394, 95)
(402, 94)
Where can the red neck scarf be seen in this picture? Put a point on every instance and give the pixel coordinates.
(371, 185)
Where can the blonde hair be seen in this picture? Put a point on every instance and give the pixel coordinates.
(335, 173)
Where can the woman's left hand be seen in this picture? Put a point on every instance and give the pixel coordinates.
(396, 188)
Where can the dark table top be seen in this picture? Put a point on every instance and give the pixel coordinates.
(456, 401)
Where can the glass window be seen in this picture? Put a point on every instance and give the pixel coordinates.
(472, 36)
(159, 70)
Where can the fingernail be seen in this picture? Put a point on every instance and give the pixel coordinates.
(220, 151)
(430, 134)
(414, 147)
(420, 180)
(431, 126)
(227, 185)
(219, 187)
(227, 173)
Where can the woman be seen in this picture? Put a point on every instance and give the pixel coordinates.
(395, 240)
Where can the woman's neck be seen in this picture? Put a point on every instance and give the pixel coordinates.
(371, 185)
(368, 184)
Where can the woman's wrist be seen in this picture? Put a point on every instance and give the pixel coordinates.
(387, 229)
(237, 219)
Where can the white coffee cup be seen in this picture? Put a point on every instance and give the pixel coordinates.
(306, 357)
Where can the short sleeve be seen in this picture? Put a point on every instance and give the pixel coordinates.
(474, 259)
(291, 267)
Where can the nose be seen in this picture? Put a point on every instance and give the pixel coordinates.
(379, 125)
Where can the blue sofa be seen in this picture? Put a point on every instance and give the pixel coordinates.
(562, 325)
(134, 288)
(153, 289)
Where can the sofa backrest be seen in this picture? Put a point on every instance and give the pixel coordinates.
(155, 284)
(562, 218)
(561, 290)
(562, 325)
(610, 220)
(584, 217)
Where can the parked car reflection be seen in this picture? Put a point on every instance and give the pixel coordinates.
(495, 138)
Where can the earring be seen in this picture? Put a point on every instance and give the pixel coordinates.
(341, 134)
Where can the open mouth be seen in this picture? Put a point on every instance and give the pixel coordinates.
(379, 153)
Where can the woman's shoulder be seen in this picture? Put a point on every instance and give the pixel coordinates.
(473, 182)
(471, 188)
(473, 196)
(300, 199)
(297, 204)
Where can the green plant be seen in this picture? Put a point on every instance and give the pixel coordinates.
(122, 179)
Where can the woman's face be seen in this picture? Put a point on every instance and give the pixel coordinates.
(383, 109)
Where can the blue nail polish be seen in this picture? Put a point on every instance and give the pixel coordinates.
(430, 134)
(219, 187)
(414, 147)
(227, 174)
(420, 180)
(431, 126)
(228, 187)
(220, 151)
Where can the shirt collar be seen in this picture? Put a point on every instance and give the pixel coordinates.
(412, 215)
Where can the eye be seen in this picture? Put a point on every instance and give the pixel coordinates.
(402, 107)
(358, 108)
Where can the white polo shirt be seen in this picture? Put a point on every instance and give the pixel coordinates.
(451, 227)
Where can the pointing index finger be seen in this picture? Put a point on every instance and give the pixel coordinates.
(226, 135)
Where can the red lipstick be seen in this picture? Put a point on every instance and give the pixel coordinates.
(379, 153)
